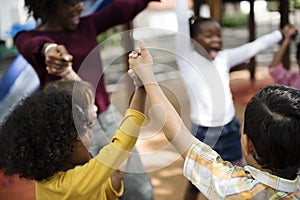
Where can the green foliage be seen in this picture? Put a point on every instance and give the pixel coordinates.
(237, 19)
(273, 5)
(110, 38)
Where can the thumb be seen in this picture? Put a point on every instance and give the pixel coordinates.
(142, 45)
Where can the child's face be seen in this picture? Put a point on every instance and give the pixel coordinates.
(67, 15)
(81, 154)
(209, 37)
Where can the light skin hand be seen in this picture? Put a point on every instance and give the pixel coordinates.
(142, 63)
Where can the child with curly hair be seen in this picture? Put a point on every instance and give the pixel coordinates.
(47, 136)
(64, 38)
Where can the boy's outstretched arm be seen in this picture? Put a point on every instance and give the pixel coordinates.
(173, 127)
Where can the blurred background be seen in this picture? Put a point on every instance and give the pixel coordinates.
(165, 165)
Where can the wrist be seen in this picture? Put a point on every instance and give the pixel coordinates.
(49, 47)
(71, 75)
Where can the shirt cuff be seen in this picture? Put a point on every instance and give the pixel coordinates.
(116, 193)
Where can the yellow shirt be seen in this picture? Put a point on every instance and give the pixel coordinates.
(92, 180)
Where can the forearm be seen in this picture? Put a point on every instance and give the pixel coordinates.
(243, 53)
(71, 75)
(182, 37)
(138, 100)
(279, 55)
(30, 47)
(173, 127)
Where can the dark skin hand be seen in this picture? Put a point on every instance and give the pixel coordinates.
(57, 60)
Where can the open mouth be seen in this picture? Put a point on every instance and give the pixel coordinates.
(213, 52)
(75, 20)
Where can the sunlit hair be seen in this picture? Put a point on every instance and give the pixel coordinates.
(272, 122)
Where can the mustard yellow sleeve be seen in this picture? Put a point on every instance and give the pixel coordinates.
(124, 140)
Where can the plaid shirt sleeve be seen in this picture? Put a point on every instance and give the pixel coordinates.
(218, 179)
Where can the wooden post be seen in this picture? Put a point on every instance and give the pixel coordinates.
(252, 36)
(215, 9)
(284, 19)
(196, 6)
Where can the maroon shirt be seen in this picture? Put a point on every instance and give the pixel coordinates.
(81, 44)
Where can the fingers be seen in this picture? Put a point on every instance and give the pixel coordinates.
(142, 45)
(63, 53)
(58, 57)
(140, 57)
(134, 54)
(59, 71)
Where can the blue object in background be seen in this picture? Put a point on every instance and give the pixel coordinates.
(92, 6)
(20, 27)
(19, 81)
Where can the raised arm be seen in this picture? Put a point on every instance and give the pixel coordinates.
(240, 54)
(182, 37)
(173, 127)
(289, 31)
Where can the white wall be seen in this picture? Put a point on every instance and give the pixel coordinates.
(11, 12)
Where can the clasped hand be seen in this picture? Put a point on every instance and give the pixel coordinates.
(58, 61)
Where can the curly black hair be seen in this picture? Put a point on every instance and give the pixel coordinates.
(37, 138)
(42, 9)
(272, 122)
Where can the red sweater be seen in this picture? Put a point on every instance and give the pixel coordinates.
(81, 44)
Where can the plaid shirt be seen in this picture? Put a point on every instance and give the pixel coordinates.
(218, 179)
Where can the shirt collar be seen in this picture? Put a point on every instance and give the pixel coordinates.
(270, 180)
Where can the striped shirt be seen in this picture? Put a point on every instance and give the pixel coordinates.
(218, 179)
(283, 76)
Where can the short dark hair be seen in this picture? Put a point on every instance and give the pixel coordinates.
(195, 23)
(37, 138)
(272, 122)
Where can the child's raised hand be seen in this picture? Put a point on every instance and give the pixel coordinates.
(289, 31)
(140, 57)
(140, 61)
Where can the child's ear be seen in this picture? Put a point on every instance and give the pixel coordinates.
(248, 146)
